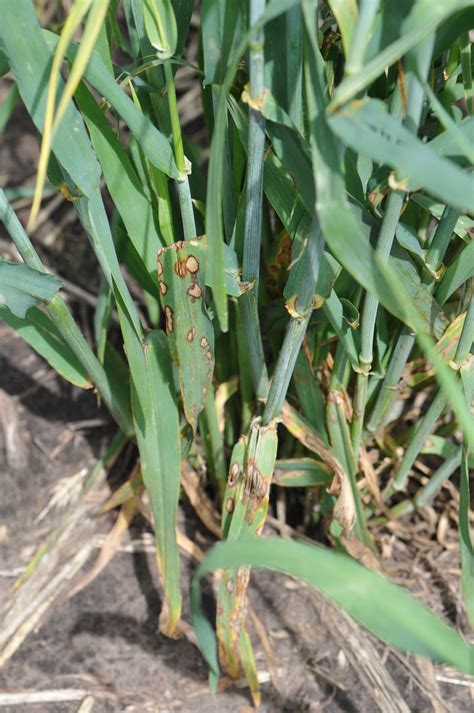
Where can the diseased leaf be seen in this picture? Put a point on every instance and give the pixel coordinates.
(190, 334)
(301, 473)
(244, 512)
(21, 287)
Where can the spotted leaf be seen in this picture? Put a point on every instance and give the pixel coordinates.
(189, 329)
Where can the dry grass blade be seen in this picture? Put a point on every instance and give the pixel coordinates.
(109, 548)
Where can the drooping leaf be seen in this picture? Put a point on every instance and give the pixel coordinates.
(384, 608)
(155, 145)
(37, 329)
(21, 287)
(368, 128)
(422, 20)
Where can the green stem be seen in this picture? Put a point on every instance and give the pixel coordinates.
(340, 437)
(361, 36)
(466, 67)
(253, 216)
(432, 487)
(383, 248)
(175, 124)
(297, 326)
(437, 407)
(182, 185)
(213, 442)
(64, 321)
(369, 316)
(434, 259)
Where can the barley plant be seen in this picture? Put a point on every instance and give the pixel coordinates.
(300, 282)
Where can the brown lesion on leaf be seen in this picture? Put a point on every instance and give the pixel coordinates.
(192, 264)
(204, 343)
(163, 288)
(159, 264)
(194, 291)
(180, 268)
(233, 475)
(229, 505)
(191, 334)
(169, 319)
(209, 355)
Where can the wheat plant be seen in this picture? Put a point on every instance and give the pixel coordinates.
(300, 283)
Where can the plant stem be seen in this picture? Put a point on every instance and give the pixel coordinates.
(369, 316)
(465, 46)
(175, 125)
(434, 259)
(361, 36)
(253, 217)
(182, 185)
(297, 326)
(435, 482)
(437, 407)
(340, 437)
(65, 323)
(383, 248)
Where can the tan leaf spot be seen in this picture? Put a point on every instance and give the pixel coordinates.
(204, 343)
(209, 355)
(195, 291)
(192, 264)
(229, 506)
(163, 288)
(160, 266)
(233, 473)
(191, 334)
(180, 268)
(169, 319)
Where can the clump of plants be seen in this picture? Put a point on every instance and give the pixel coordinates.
(300, 285)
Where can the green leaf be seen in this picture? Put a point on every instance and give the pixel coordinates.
(156, 421)
(346, 13)
(21, 287)
(368, 128)
(155, 145)
(190, 334)
(460, 270)
(422, 20)
(94, 220)
(37, 329)
(160, 25)
(301, 473)
(30, 61)
(8, 105)
(382, 607)
(214, 230)
(222, 28)
(122, 181)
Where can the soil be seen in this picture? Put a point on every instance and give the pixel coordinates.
(104, 640)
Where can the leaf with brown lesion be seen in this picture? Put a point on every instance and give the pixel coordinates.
(188, 327)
